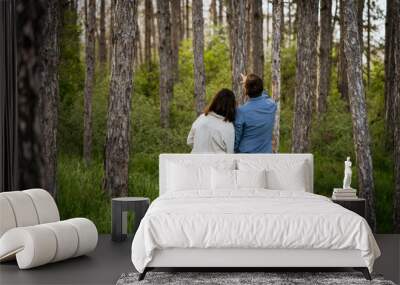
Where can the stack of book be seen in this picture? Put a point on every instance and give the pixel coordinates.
(343, 194)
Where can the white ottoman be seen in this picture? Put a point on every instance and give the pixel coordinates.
(31, 232)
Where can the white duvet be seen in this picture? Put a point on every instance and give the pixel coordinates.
(250, 219)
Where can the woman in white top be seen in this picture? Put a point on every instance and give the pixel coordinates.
(213, 131)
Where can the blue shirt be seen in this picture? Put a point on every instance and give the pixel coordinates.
(254, 124)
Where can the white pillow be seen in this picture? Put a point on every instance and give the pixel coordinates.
(223, 179)
(188, 177)
(292, 179)
(282, 174)
(251, 178)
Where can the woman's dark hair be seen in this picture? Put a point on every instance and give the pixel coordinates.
(253, 85)
(223, 104)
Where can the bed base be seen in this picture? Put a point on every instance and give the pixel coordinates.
(363, 270)
(245, 259)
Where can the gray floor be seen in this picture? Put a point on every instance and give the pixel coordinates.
(110, 260)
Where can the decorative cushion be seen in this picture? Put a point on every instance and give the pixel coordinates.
(223, 179)
(251, 178)
(281, 174)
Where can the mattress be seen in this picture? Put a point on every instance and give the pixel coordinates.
(250, 219)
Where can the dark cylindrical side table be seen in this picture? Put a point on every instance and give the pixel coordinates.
(120, 207)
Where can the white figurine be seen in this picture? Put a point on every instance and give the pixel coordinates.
(347, 174)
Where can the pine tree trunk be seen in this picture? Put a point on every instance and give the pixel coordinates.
(276, 69)
(220, 12)
(175, 33)
(110, 50)
(306, 74)
(119, 103)
(361, 137)
(389, 73)
(325, 55)
(283, 23)
(267, 25)
(257, 38)
(148, 16)
(102, 37)
(198, 52)
(238, 26)
(368, 55)
(289, 30)
(248, 43)
(90, 25)
(213, 12)
(396, 116)
(48, 99)
(342, 64)
(165, 55)
(29, 39)
(187, 8)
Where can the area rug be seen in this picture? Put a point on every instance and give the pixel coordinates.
(244, 278)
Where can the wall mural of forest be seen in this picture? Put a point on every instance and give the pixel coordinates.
(133, 76)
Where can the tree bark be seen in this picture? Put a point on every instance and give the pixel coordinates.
(306, 74)
(276, 70)
(325, 55)
(48, 99)
(102, 36)
(187, 8)
(396, 116)
(342, 64)
(198, 52)
(176, 37)
(368, 51)
(165, 55)
(29, 39)
(390, 72)
(213, 12)
(248, 43)
(90, 24)
(257, 38)
(220, 12)
(119, 104)
(361, 136)
(267, 24)
(238, 45)
(148, 12)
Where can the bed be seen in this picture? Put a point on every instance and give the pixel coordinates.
(246, 211)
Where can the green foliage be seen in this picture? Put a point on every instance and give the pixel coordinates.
(80, 188)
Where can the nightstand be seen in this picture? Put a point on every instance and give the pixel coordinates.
(355, 205)
(120, 207)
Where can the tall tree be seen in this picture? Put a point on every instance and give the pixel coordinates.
(148, 16)
(198, 53)
(111, 33)
(276, 69)
(102, 35)
(395, 93)
(187, 15)
(220, 12)
(213, 12)
(368, 51)
(119, 103)
(90, 28)
(48, 99)
(257, 38)
(390, 72)
(283, 22)
(29, 39)
(267, 23)
(175, 33)
(238, 45)
(342, 67)
(165, 55)
(306, 73)
(361, 136)
(325, 55)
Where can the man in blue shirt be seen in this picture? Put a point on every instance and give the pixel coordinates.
(254, 121)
